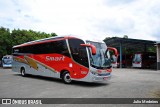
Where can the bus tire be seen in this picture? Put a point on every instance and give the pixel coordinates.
(66, 77)
(23, 73)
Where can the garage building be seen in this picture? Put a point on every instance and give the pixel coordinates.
(127, 47)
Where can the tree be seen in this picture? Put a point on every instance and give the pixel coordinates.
(5, 41)
(125, 36)
(16, 37)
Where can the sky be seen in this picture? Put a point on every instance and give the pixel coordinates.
(90, 19)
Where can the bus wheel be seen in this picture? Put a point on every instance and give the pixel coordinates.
(66, 77)
(23, 72)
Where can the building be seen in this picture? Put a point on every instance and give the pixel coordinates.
(127, 47)
(158, 55)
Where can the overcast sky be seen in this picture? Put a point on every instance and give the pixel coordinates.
(96, 19)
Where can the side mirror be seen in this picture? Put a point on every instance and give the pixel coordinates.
(93, 48)
(113, 49)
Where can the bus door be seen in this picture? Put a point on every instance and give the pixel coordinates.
(79, 57)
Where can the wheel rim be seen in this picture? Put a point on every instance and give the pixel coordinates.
(22, 72)
(67, 78)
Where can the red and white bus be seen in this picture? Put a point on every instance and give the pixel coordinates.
(114, 57)
(144, 60)
(68, 58)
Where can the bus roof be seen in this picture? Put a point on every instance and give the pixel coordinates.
(44, 40)
(52, 39)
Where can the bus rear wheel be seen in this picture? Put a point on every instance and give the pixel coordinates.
(66, 77)
(23, 72)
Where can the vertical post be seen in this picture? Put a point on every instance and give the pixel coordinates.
(158, 56)
(145, 48)
(120, 55)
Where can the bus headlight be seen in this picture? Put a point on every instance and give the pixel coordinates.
(94, 72)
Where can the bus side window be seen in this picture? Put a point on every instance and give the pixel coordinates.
(59, 47)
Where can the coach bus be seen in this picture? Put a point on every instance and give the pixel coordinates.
(114, 57)
(144, 60)
(67, 58)
(7, 61)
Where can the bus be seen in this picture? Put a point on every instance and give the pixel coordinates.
(144, 60)
(7, 61)
(114, 56)
(64, 57)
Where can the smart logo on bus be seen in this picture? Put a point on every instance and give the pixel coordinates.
(49, 58)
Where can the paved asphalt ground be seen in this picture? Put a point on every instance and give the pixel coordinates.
(125, 83)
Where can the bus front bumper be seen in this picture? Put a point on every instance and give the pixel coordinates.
(6, 66)
(101, 78)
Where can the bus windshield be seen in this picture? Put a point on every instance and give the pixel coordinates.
(137, 58)
(7, 60)
(102, 58)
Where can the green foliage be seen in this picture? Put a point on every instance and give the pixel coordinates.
(5, 40)
(125, 36)
(152, 49)
(106, 38)
(15, 37)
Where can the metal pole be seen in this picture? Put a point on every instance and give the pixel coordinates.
(158, 57)
(120, 55)
(145, 48)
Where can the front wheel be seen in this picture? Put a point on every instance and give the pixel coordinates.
(66, 77)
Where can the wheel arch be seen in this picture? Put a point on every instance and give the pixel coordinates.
(63, 70)
(22, 67)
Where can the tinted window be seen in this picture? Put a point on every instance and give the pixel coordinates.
(78, 52)
(17, 51)
(59, 47)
